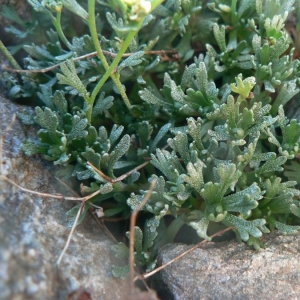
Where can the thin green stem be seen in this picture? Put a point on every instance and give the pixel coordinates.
(9, 57)
(94, 34)
(57, 25)
(110, 70)
(155, 3)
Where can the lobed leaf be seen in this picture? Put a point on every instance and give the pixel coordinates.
(246, 228)
(70, 78)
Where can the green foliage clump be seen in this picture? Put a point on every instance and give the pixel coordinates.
(197, 88)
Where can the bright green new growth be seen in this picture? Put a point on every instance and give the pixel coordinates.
(211, 120)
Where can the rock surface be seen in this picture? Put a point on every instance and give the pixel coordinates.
(24, 11)
(230, 270)
(33, 233)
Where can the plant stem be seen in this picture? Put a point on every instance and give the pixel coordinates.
(9, 57)
(57, 25)
(94, 34)
(155, 3)
(109, 69)
(92, 54)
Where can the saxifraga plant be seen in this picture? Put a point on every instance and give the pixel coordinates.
(210, 119)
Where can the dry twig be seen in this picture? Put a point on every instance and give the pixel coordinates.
(120, 178)
(70, 234)
(146, 275)
(162, 53)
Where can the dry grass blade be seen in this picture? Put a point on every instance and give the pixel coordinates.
(146, 275)
(120, 178)
(70, 234)
(54, 196)
(162, 53)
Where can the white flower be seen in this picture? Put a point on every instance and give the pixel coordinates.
(139, 8)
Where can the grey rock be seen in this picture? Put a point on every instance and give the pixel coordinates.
(230, 270)
(33, 232)
(24, 11)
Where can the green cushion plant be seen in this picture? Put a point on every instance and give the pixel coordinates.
(196, 88)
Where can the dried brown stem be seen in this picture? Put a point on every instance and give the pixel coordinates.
(146, 275)
(120, 178)
(70, 234)
(162, 53)
(59, 197)
(66, 186)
